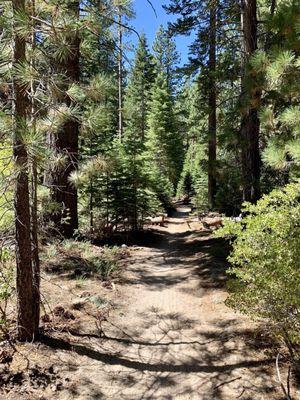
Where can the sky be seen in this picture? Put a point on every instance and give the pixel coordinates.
(147, 22)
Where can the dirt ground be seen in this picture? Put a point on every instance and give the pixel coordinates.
(168, 334)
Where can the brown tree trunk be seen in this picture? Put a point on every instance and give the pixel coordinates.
(65, 143)
(26, 302)
(34, 199)
(35, 247)
(250, 100)
(212, 99)
(120, 73)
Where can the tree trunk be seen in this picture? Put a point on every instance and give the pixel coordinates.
(35, 247)
(212, 98)
(34, 199)
(250, 99)
(26, 302)
(120, 73)
(65, 143)
(268, 36)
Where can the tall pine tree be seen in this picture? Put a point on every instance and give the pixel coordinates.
(164, 143)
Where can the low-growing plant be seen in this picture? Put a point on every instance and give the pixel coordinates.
(265, 261)
(107, 263)
(81, 281)
(82, 260)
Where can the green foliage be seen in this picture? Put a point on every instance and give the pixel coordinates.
(164, 143)
(6, 284)
(166, 57)
(265, 262)
(108, 263)
(83, 260)
(280, 116)
(193, 179)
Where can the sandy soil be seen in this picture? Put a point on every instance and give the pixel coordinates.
(168, 335)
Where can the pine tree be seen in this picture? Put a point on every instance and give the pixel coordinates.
(204, 18)
(250, 99)
(164, 143)
(280, 114)
(166, 57)
(137, 94)
(212, 105)
(27, 303)
(64, 141)
(136, 108)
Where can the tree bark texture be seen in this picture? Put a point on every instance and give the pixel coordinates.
(27, 317)
(250, 100)
(212, 106)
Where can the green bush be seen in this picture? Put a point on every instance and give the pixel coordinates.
(266, 263)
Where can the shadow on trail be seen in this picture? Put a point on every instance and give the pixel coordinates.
(147, 375)
(112, 359)
(198, 254)
(163, 355)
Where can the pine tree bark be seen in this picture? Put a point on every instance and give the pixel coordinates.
(27, 318)
(250, 99)
(33, 194)
(120, 73)
(212, 106)
(65, 143)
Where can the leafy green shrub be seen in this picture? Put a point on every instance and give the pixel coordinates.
(266, 263)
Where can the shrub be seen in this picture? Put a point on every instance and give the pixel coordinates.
(265, 263)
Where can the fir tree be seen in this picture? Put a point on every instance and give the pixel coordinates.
(137, 94)
(164, 143)
(166, 57)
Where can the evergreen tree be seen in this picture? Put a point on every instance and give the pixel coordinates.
(166, 57)
(205, 20)
(137, 94)
(64, 141)
(164, 143)
(250, 99)
(279, 68)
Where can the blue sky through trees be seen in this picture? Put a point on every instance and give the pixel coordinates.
(147, 22)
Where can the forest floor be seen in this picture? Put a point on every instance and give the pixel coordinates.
(167, 334)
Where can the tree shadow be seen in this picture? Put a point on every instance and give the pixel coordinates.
(160, 354)
(111, 359)
(184, 360)
(180, 257)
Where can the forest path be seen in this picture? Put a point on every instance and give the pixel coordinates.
(170, 335)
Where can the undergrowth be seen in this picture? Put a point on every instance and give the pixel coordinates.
(81, 259)
(6, 287)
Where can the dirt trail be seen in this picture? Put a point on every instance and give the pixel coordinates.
(170, 335)
(173, 337)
